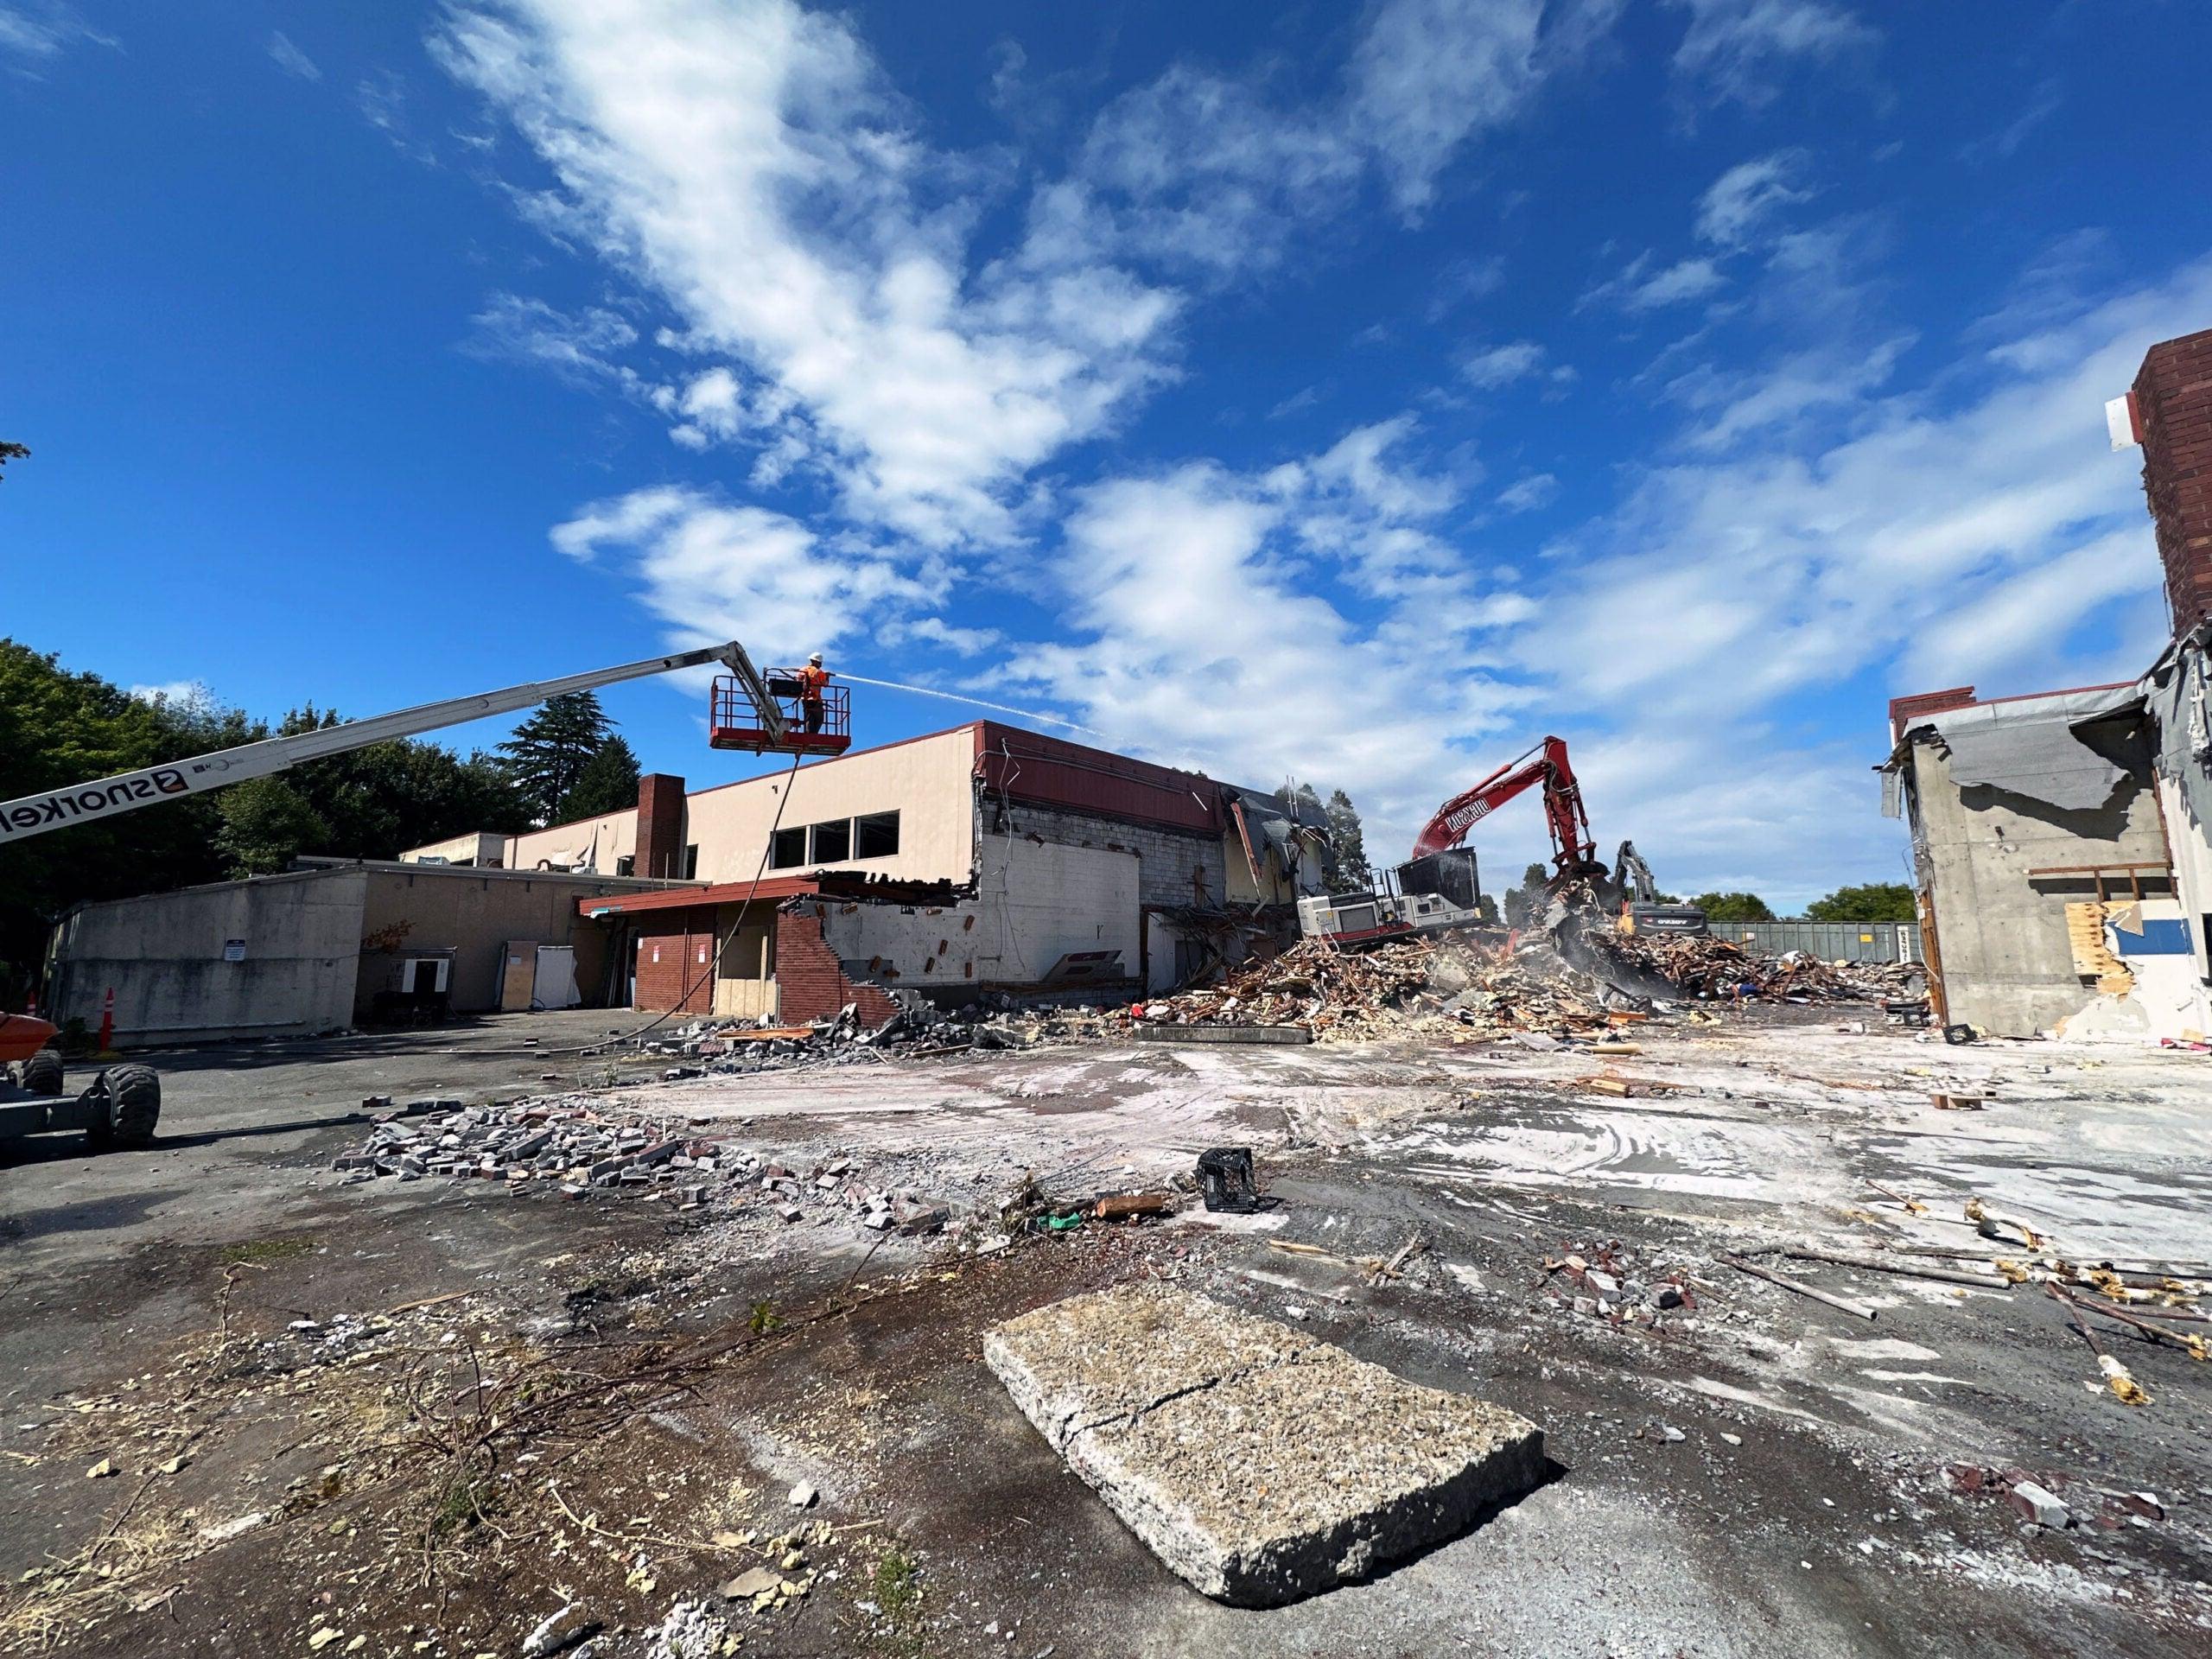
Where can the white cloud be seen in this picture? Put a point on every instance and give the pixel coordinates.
(1744, 197)
(1490, 367)
(184, 694)
(750, 164)
(1731, 583)
(578, 348)
(1537, 489)
(1639, 288)
(288, 57)
(37, 33)
(1741, 49)
(711, 571)
(1202, 634)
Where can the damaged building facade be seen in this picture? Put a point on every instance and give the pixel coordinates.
(2063, 841)
(984, 857)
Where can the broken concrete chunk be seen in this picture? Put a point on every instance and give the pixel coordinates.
(1260, 1464)
(2040, 1506)
(803, 1495)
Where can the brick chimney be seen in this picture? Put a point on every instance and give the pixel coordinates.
(660, 826)
(2173, 413)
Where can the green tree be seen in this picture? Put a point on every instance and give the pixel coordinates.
(266, 823)
(1347, 841)
(1872, 901)
(59, 729)
(380, 801)
(608, 782)
(1733, 907)
(12, 452)
(1525, 902)
(548, 753)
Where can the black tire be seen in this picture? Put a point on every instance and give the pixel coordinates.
(42, 1073)
(132, 1097)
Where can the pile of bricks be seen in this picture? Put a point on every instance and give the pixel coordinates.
(577, 1148)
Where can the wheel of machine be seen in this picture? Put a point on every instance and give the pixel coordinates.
(42, 1073)
(128, 1101)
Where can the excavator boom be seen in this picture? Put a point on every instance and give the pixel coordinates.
(1573, 850)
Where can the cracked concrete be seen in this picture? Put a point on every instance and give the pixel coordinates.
(1259, 1465)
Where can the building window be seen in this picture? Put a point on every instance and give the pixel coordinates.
(833, 842)
(875, 835)
(691, 863)
(626, 864)
(788, 850)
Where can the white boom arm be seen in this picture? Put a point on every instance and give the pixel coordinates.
(35, 814)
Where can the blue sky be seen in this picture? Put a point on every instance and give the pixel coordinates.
(1352, 393)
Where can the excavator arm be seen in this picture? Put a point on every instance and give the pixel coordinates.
(1573, 850)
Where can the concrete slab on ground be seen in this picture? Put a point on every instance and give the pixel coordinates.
(1260, 1465)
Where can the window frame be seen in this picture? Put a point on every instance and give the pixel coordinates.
(776, 861)
(843, 827)
(877, 820)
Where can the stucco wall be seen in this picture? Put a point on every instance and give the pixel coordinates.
(163, 955)
(2007, 965)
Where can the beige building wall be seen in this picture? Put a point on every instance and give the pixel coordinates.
(474, 848)
(928, 782)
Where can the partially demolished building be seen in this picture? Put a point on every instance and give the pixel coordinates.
(981, 857)
(2063, 842)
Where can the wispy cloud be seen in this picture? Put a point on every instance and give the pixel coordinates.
(1742, 200)
(1643, 284)
(289, 58)
(1740, 50)
(35, 33)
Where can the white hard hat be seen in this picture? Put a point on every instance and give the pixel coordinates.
(815, 659)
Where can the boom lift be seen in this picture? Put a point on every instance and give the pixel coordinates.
(120, 1107)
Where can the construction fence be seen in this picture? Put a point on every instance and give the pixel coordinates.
(1830, 941)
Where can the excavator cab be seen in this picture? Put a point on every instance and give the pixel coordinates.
(735, 718)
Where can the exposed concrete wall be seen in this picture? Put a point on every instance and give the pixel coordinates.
(1037, 904)
(2191, 845)
(163, 955)
(1177, 869)
(477, 916)
(2007, 965)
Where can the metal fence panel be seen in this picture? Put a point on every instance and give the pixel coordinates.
(1830, 941)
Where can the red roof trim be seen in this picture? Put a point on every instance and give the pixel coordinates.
(721, 893)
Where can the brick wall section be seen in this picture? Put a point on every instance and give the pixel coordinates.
(811, 983)
(678, 980)
(1165, 858)
(1904, 711)
(2173, 401)
(660, 826)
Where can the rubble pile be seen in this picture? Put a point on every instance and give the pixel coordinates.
(1315, 984)
(576, 1149)
(1606, 1282)
(1699, 965)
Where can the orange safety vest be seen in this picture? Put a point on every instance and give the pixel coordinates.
(810, 681)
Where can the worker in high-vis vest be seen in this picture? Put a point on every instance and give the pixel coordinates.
(811, 679)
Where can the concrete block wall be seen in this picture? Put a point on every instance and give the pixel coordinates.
(1167, 859)
(2173, 408)
(1036, 904)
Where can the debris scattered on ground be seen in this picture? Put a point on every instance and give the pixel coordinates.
(1607, 1281)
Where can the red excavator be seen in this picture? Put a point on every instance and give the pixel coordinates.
(1437, 888)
